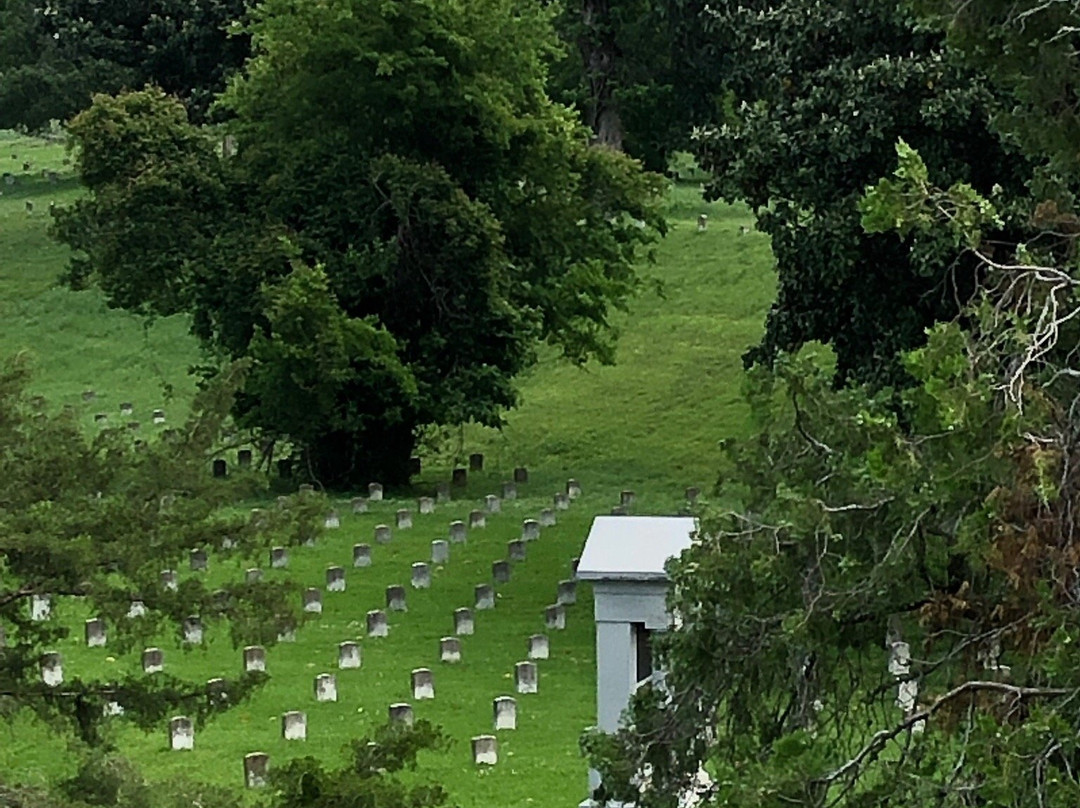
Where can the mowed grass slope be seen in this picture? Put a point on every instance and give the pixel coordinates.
(649, 423)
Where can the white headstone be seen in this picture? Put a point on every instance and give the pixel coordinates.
(279, 558)
(256, 766)
(485, 597)
(450, 649)
(477, 519)
(52, 668)
(555, 617)
(525, 676)
(294, 726)
(253, 575)
(492, 504)
(359, 505)
(509, 490)
(573, 488)
(181, 734)
(500, 571)
(197, 559)
(530, 530)
(335, 579)
(348, 655)
(254, 658)
(95, 632)
(40, 607)
(404, 519)
(153, 660)
(485, 750)
(170, 580)
(515, 550)
(421, 575)
(137, 609)
(313, 600)
(382, 534)
(457, 531)
(395, 599)
(440, 551)
(539, 647)
(376, 623)
(425, 505)
(547, 517)
(375, 492)
(442, 493)
(561, 502)
(505, 712)
(361, 555)
(423, 684)
(567, 593)
(332, 521)
(193, 630)
(401, 713)
(326, 687)
(463, 622)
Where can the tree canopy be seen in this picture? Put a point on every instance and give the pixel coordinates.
(55, 56)
(409, 157)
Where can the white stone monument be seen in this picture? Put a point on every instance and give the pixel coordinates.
(624, 560)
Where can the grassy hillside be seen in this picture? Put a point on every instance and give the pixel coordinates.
(650, 423)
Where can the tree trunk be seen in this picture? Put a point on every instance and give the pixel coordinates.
(599, 52)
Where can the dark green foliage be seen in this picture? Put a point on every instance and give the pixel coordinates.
(821, 93)
(98, 518)
(54, 57)
(464, 222)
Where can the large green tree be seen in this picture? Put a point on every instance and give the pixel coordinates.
(408, 155)
(55, 56)
(820, 94)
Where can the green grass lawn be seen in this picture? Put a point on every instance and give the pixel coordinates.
(651, 423)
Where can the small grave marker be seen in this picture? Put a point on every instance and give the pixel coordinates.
(359, 505)
(279, 558)
(539, 647)
(395, 599)
(153, 660)
(52, 668)
(423, 684)
(450, 649)
(425, 505)
(243, 458)
(254, 659)
(573, 488)
(313, 600)
(459, 477)
(457, 531)
(158, 416)
(485, 750)
(382, 534)
(505, 712)
(463, 622)
(375, 492)
(492, 504)
(181, 734)
(555, 617)
(136, 609)
(332, 521)
(561, 502)
(477, 519)
(335, 579)
(197, 560)
(547, 517)
(256, 765)
(377, 625)
(692, 494)
(521, 475)
(40, 607)
(219, 467)
(96, 635)
(326, 687)
(193, 630)
(361, 555)
(567, 593)
(401, 713)
(404, 519)
(530, 530)
(515, 550)
(348, 655)
(509, 490)
(526, 677)
(421, 575)
(485, 597)
(500, 571)
(442, 493)
(440, 551)
(627, 498)
(253, 575)
(294, 726)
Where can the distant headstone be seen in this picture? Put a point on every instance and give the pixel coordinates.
(547, 517)
(313, 600)
(555, 617)
(562, 502)
(9, 179)
(361, 555)
(279, 558)
(476, 461)
(500, 571)
(220, 469)
(567, 593)
(692, 494)
(332, 521)
(526, 676)
(181, 734)
(136, 609)
(505, 713)
(170, 580)
(256, 767)
(153, 660)
(253, 575)
(515, 550)
(425, 505)
(134, 426)
(440, 551)
(442, 493)
(29, 206)
(382, 534)
(401, 713)
(88, 395)
(52, 668)
(217, 691)
(450, 649)
(348, 655)
(96, 635)
(619, 510)
(702, 222)
(254, 659)
(457, 531)
(459, 477)
(127, 408)
(395, 599)
(193, 630)
(197, 560)
(40, 607)
(463, 622)
(539, 647)
(335, 579)
(404, 519)
(243, 458)
(359, 505)
(530, 530)
(573, 488)
(485, 597)
(421, 575)
(509, 490)
(375, 492)
(521, 475)
(287, 633)
(423, 684)
(376, 623)
(477, 519)
(485, 750)
(626, 499)
(492, 504)
(294, 726)
(326, 687)
(158, 416)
